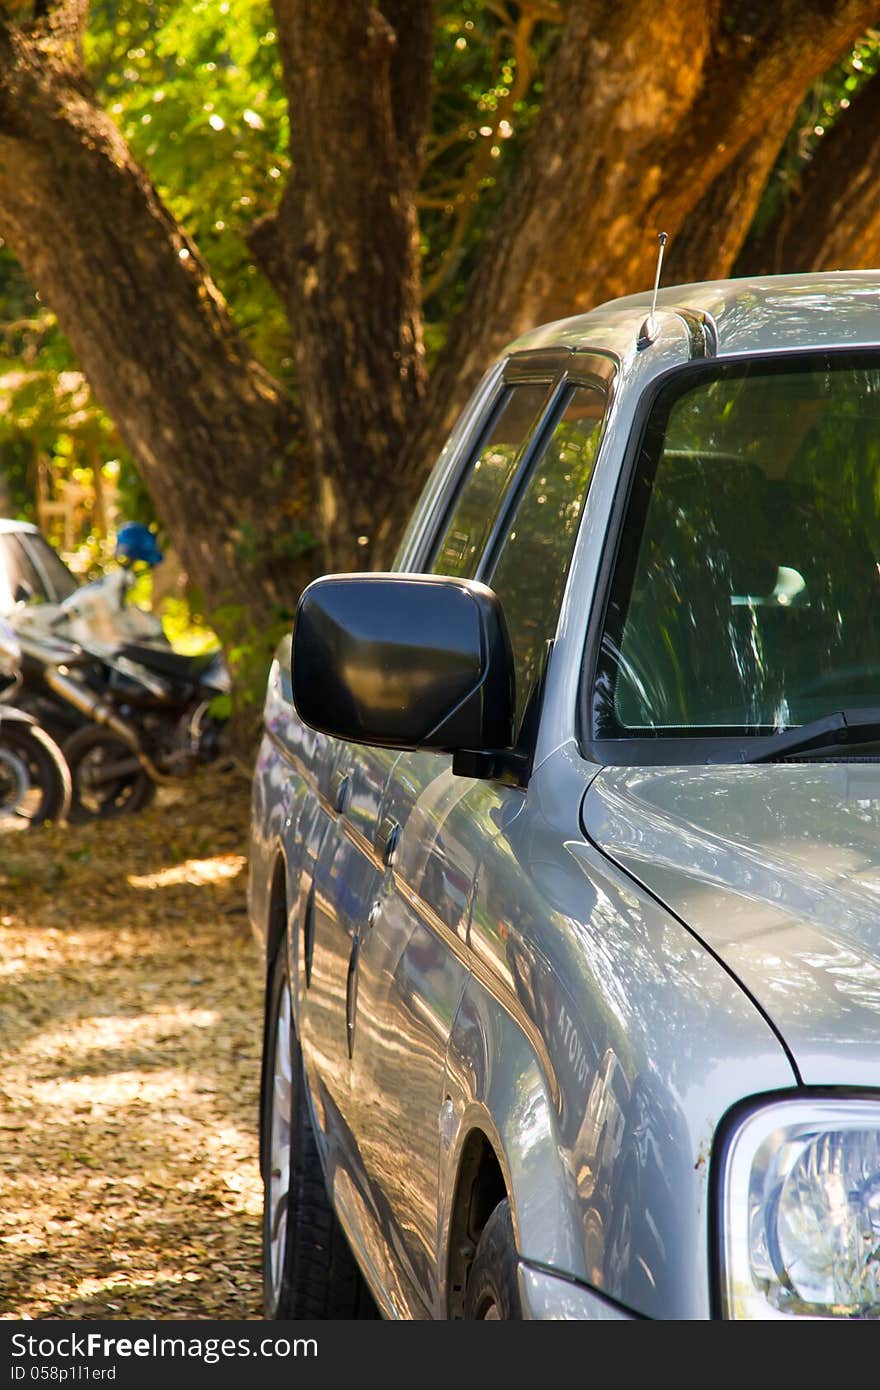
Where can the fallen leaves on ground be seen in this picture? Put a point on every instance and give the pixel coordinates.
(130, 1029)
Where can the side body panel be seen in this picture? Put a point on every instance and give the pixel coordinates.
(346, 882)
(413, 969)
(274, 787)
(597, 1046)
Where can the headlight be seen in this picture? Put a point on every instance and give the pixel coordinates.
(800, 1212)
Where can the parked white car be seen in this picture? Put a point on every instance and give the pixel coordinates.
(30, 570)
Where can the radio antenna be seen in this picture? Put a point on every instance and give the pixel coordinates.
(648, 331)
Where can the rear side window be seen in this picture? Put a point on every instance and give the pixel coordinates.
(476, 507)
(530, 572)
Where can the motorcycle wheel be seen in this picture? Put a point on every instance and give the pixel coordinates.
(35, 783)
(107, 778)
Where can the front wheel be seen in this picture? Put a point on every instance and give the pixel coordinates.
(308, 1268)
(492, 1293)
(35, 784)
(107, 778)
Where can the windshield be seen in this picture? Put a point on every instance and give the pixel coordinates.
(60, 583)
(746, 594)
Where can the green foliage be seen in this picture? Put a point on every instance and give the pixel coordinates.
(46, 407)
(249, 649)
(196, 90)
(279, 547)
(21, 307)
(186, 629)
(134, 500)
(488, 69)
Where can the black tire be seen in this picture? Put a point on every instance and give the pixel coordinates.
(493, 1287)
(99, 792)
(47, 795)
(308, 1268)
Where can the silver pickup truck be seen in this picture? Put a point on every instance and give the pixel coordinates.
(566, 842)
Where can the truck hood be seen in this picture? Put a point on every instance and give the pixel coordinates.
(776, 869)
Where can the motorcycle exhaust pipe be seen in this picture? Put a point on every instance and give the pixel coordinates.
(93, 707)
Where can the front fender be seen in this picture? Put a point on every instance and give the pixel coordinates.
(496, 1083)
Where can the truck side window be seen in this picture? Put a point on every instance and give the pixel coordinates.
(481, 494)
(529, 574)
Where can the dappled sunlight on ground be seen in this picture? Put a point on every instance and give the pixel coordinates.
(130, 1032)
(98, 1032)
(194, 871)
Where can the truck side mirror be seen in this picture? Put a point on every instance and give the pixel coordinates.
(404, 661)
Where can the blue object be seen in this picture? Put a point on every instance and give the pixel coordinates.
(134, 541)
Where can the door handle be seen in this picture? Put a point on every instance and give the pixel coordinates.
(351, 991)
(340, 784)
(309, 934)
(387, 837)
(351, 980)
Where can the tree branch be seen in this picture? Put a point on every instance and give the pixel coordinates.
(346, 242)
(712, 233)
(832, 220)
(644, 108)
(198, 412)
(412, 24)
(57, 25)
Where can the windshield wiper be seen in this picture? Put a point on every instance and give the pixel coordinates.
(844, 726)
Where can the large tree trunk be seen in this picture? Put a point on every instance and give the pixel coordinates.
(344, 252)
(209, 429)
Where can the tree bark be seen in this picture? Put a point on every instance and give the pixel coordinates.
(209, 429)
(833, 222)
(344, 248)
(711, 236)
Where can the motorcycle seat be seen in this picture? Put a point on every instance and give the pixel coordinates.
(170, 663)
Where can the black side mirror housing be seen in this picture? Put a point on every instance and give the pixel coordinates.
(404, 661)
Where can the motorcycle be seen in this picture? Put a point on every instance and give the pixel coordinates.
(101, 678)
(129, 717)
(97, 612)
(35, 781)
(100, 611)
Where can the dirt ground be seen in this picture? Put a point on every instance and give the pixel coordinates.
(130, 1031)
